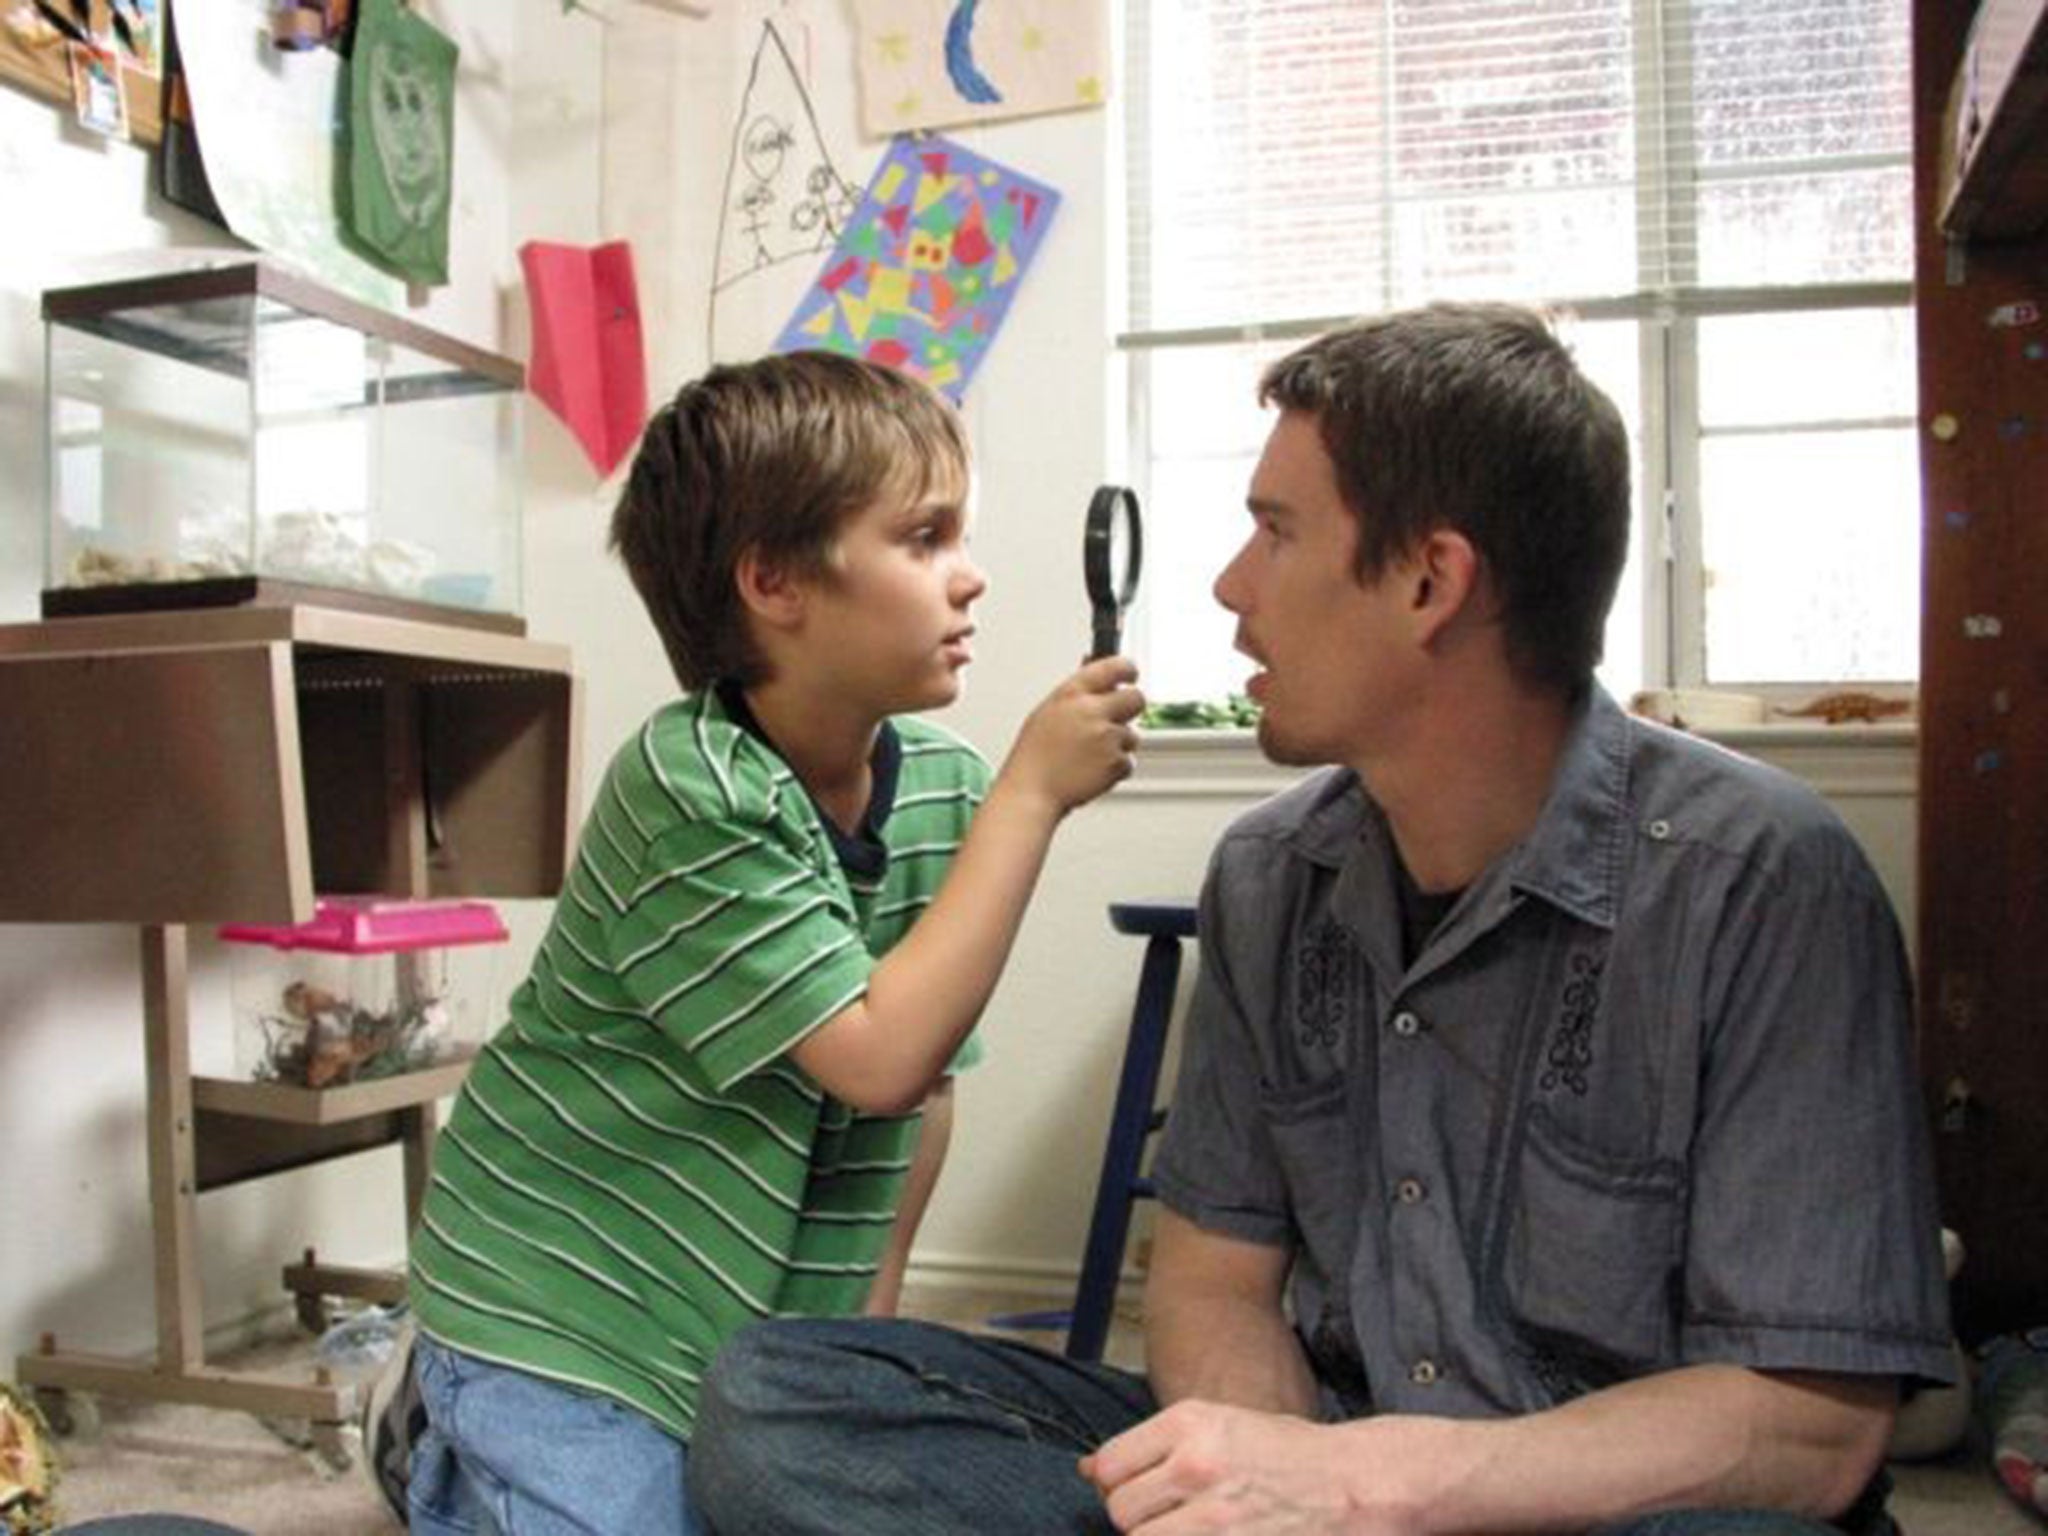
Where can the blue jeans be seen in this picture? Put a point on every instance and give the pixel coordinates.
(508, 1454)
(825, 1428)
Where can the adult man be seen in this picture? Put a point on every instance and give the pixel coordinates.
(1546, 1155)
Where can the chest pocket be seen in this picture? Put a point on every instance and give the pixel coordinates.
(1589, 1262)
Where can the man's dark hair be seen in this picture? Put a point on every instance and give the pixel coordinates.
(771, 456)
(1474, 417)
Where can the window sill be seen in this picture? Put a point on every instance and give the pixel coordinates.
(1857, 758)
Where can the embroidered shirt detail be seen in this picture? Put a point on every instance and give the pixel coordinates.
(1325, 973)
(1571, 1044)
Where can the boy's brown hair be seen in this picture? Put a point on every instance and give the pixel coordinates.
(772, 456)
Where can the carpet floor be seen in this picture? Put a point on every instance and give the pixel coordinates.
(132, 1457)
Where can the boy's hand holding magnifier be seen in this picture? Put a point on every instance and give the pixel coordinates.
(1078, 743)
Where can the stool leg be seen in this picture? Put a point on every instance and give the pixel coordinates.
(1130, 1122)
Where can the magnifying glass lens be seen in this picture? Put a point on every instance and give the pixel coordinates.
(1113, 552)
(1120, 554)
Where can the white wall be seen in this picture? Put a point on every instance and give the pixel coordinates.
(576, 131)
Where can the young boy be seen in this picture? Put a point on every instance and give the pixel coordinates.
(777, 936)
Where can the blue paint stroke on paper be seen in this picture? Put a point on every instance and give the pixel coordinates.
(968, 80)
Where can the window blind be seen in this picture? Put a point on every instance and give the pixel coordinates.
(1295, 161)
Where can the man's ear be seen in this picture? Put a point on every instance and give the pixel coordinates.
(768, 589)
(1443, 580)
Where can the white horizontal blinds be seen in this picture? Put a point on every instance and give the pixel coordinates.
(1797, 116)
(1301, 159)
(1258, 177)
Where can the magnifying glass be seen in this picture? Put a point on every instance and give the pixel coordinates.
(1112, 555)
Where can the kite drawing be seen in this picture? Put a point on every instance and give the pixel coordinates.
(932, 63)
(929, 264)
(784, 199)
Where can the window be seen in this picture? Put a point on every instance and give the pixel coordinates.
(1716, 194)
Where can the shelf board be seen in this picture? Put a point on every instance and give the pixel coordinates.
(328, 1106)
(300, 624)
(1995, 141)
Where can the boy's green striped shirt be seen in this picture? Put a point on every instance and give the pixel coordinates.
(634, 1168)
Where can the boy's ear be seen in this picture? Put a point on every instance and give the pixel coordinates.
(768, 589)
(1443, 580)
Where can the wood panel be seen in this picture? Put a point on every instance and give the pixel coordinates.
(223, 764)
(472, 772)
(1983, 855)
(158, 786)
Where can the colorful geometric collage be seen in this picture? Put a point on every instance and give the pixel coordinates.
(925, 270)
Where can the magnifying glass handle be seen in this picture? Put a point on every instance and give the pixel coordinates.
(1109, 636)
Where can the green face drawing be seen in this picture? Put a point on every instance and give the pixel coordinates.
(405, 126)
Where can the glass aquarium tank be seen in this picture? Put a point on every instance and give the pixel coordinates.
(241, 434)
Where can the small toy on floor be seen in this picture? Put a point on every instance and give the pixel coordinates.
(28, 1469)
(2012, 1401)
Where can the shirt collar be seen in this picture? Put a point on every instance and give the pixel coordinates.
(861, 853)
(1572, 857)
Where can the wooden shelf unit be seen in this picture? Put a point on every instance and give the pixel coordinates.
(1994, 172)
(226, 764)
(1982, 319)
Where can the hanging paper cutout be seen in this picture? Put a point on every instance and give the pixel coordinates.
(589, 365)
(931, 63)
(401, 140)
(926, 270)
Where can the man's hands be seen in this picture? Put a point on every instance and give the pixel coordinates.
(1697, 1437)
(1078, 743)
(1200, 1466)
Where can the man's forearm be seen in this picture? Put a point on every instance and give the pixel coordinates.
(1700, 1437)
(1706, 1437)
(1227, 1352)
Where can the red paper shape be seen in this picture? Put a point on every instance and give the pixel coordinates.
(589, 362)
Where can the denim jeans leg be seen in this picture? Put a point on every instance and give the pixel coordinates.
(1868, 1516)
(1723, 1522)
(821, 1427)
(507, 1453)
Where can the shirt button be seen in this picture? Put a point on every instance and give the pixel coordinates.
(1406, 1024)
(1660, 829)
(1423, 1373)
(1409, 1191)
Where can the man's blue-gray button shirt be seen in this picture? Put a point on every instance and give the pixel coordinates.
(1646, 1097)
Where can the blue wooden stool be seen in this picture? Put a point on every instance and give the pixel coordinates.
(1133, 1119)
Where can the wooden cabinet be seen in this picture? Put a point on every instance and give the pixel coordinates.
(225, 764)
(1982, 307)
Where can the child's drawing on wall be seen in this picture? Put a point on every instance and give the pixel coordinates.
(926, 269)
(931, 63)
